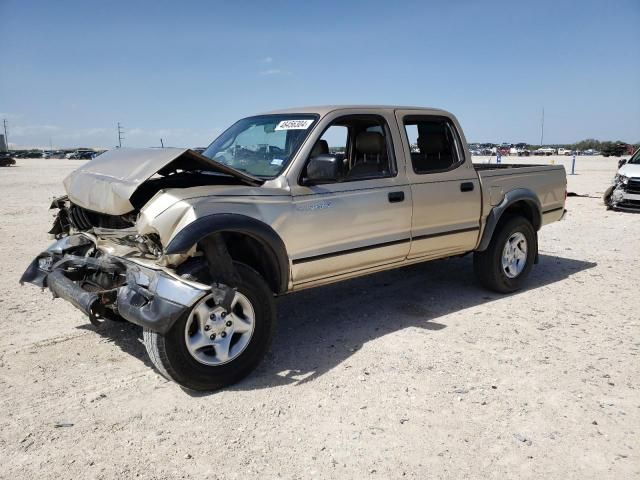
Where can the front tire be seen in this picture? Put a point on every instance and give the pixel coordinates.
(506, 263)
(234, 342)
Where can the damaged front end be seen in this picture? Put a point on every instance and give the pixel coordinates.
(108, 259)
(109, 287)
(623, 194)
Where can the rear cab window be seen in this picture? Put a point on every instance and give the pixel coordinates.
(434, 143)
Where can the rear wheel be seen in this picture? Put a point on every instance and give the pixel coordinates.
(211, 347)
(507, 262)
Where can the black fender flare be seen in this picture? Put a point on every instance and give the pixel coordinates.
(236, 223)
(510, 198)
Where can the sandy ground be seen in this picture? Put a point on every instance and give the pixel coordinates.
(416, 373)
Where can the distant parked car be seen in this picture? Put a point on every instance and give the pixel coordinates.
(54, 154)
(82, 155)
(624, 192)
(520, 149)
(28, 154)
(6, 160)
(615, 150)
(545, 151)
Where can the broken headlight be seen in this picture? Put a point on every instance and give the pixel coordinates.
(620, 179)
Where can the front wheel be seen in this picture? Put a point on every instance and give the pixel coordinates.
(507, 261)
(211, 347)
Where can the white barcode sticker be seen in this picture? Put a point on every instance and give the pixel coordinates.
(294, 124)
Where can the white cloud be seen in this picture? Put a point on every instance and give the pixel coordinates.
(267, 60)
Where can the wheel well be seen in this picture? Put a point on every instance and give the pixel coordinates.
(524, 209)
(256, 254)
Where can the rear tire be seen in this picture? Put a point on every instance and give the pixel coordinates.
(504, 268)
(173, 357)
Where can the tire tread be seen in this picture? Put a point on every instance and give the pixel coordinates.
(486, 264)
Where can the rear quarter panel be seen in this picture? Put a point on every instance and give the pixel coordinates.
(548, 182)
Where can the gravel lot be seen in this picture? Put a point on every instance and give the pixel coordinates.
(415, 373)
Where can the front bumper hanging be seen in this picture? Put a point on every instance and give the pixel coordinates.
(106, 286)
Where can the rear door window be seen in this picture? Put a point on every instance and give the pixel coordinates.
(434, 143)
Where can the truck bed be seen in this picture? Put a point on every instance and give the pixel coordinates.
(547, 181)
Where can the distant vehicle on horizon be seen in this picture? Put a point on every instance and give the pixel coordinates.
(53, 154)
(548, 151)
(615, 150)
(520, 149)
(6, 160)
(81, 155)
(505, 148)
(86, 155)
(28, 154)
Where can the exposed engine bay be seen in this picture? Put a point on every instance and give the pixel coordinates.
(105, 198)
(104, 265)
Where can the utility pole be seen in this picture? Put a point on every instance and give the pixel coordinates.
(6, 137)
(542, 128)
(120, 135)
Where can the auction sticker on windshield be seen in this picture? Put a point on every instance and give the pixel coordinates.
(294, 124)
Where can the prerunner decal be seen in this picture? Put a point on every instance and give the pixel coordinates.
(294, 124)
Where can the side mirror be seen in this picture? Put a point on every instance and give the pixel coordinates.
(322, 169)
(622, 162)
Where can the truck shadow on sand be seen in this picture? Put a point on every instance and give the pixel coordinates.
(319, 329)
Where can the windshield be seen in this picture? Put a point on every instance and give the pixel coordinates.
(636, 158)
(263, 145)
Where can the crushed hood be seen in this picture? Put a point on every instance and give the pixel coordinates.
(107, 183)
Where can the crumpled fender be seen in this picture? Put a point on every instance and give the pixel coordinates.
(275, 249)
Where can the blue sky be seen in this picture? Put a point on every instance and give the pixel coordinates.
(184, 71)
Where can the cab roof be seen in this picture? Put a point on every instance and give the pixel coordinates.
(325, 109)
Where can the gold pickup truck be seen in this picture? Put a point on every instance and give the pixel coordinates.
(194, 246)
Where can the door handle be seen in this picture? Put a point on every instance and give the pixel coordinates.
(395, 197)
(466, 187)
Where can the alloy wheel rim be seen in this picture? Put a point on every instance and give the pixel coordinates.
(215, 336)
(514, 255)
